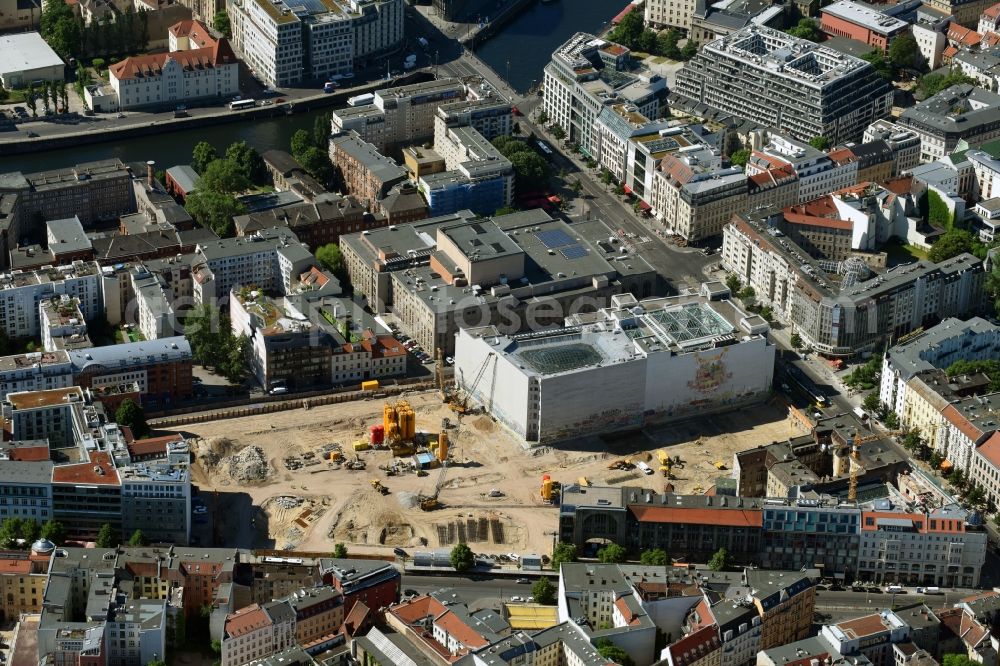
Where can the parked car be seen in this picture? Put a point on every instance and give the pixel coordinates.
(200, 510)
(523, 580)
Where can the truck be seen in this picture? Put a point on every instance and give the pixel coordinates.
(646, 469)
(329, 86)
(861, 414)
(423, 43)
(361, 100)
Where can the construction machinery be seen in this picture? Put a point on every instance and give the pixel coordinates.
(459, 399)
(356, 464)
(852, 488)
(379, 488)
(624, 464)
(428, 503)
(719, 465)
(399, 427)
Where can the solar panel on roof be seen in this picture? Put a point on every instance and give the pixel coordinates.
(553, 238)
(574, 251)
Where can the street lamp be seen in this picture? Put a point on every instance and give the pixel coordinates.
(508, 71)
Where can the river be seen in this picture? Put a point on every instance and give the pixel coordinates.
(526, 43)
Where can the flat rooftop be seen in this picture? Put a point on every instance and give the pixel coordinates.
(37, 399)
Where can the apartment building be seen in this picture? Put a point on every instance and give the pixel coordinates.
(960, 113)
(315, 224)
(198, 66)
(903, 142)
(853, 317)
(934, 547)
(694, 196)
(366, 173)
(777, 187)
(319, 613)
(153, 309)
(660, 14)
(818, 173)
(257, 631)
(587, 73)
(26, 482)
(803, 89)
(373, 583)
(402, 115)
(489, 117)
(618, 126)
(161, 368)
(876, 161)
(23, 576)
(985, 468)
(21, 294)
(969, 423)
(270, 259)
(156, 498)
(933, 349)
(34, 371)
(62, 323)
(92, 191)
(285, 44)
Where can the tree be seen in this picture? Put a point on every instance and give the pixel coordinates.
(563, 552)
(329, 256)
(992, 286)
(530, 170)
(819, 142)
(667, 44)
(865, 376)
(156, 662)
(214, 211)
(576, 187)
(612, 652)
(30, 531)
(462, 558)
(132, 415)
(321, 131)
(203, 329)
(612, 554)
(54, 531)
(871, 403)
(31, 99)
(98, 64)
(882, 66)
(606, 177)
(748, 295)
(60, 28)
(203, 154)
(45, 97)
(217, 646)
(544, 591)
(64, 95)
(951, 243)
(904, 52)
(806, 28)
(221, 23)
(340, 551)
(734, 283)
(629, 30)
(647, 41)
(558, 133)
(301, 140)
(137, 539)
(932, 84)
(234, 362)
(690, 50)
(10, 531)
(721, 560)
(224, 177)
(891, 421)
(107, 537)
(654, 557)
(543, 117)
(317, 164)
(504, 210)
(247, 160)
(740, 157)
(796, 341)
(988, 367)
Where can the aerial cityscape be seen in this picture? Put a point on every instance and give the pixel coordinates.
(499, 333)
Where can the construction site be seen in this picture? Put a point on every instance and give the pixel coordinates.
(427, 469)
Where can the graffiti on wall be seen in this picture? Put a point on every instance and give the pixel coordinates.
(711, 372)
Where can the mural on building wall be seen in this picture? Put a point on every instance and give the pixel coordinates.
(711, 373)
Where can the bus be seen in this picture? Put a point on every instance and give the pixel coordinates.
(544, 147)
(241, 104)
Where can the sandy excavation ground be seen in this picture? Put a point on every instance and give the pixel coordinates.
(319, 504)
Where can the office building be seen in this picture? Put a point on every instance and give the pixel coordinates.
(479, 178)
(851, 317)
(34, 371)
(285, 44)
(960, 113)
(401, 115)
(620, 130)
(667, 352)
(489, 117)
(847, 18)
(62, 323)
(585, 74)
(197, 67)
(92, 191)
(67, 241)
(161, 368)
(21, 294)
(818, 173)
(156, 497)
(803, 89)
(904, 143)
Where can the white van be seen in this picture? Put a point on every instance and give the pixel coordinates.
(893, 589)
(646, 469)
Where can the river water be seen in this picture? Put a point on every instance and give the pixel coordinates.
(526, 44)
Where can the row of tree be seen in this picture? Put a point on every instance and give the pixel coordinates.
(530, 169)
(52, 94)
(122, 33)
(22, 532)
(312, 150)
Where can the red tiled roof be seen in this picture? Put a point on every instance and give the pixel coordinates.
(194, 30)
(99, 471)
(964, 625)
(623, 13)
(900, 185)
(152, 445)
(152, 65)
(460, 631)
(949, 52)
(773, 175)
(963, 424)
(991, 449)
(814, 221)
(21, 565)
(672, 514)
(246, 620)
(992, 12)
(842, 156)
(695, 646)
(962, 35)
(417, 609)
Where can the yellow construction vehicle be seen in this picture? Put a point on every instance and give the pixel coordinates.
(379, 488)
(719, 465)
(429, 503)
